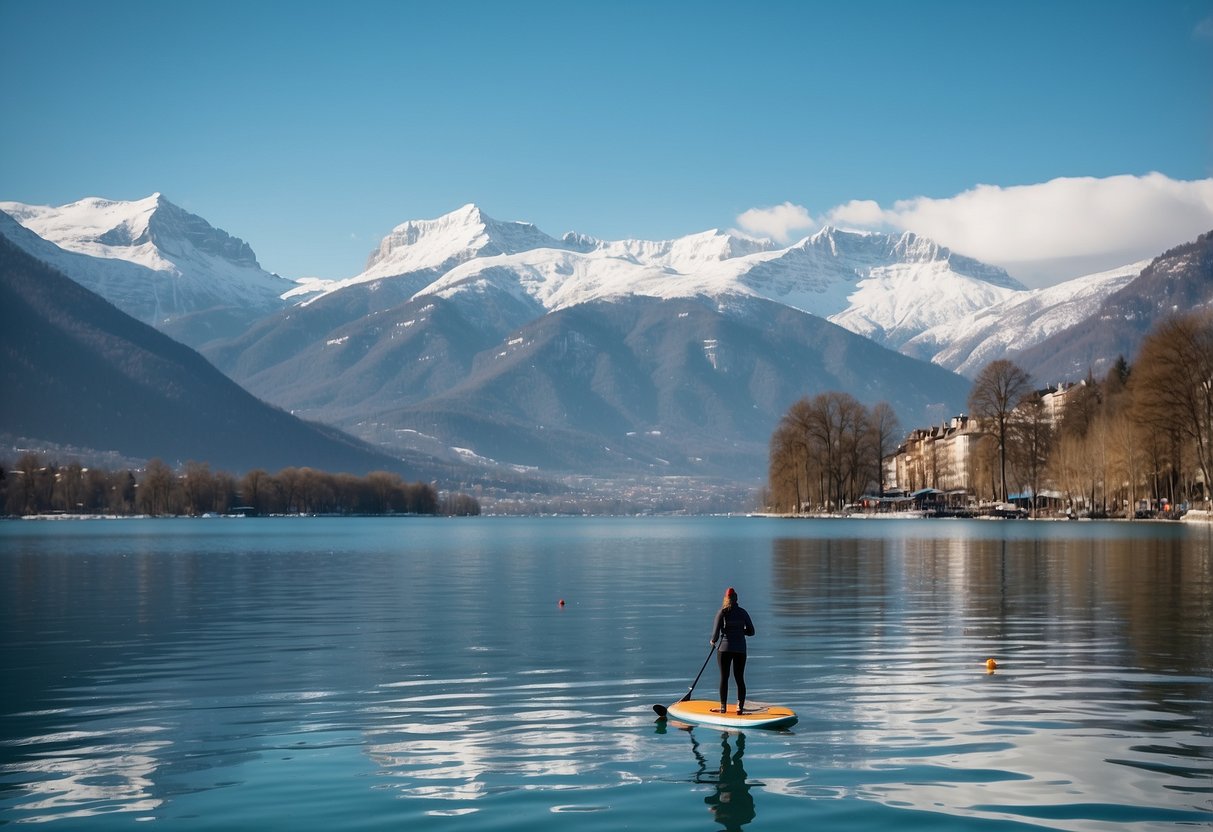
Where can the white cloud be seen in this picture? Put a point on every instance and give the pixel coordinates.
(1052, 231)
(863, 213)
(779, 222)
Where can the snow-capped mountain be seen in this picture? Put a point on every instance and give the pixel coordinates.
(430, 248)
(684, 254)
(887, 288)
(496, 340)
(580, 353)
(155, 261)
(1179, 280)
(81, 373)
(1019, 321)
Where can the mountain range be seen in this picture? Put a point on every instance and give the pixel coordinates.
(77, 371)
(156, 262)
(476, 340)
(1180, 280)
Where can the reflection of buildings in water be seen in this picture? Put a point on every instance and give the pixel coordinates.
(731, 804)
(1103, 628)
(1142, 591)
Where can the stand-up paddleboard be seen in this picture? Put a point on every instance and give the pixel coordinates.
(756, 715)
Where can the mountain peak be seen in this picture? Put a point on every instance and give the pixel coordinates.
(453, 238)
(152, 259)
(471, 211)
(112, 228)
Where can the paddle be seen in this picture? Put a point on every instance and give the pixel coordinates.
(661, 710)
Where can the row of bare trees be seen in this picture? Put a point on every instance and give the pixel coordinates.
(33, 486)
(828, 451)
(1143, 432)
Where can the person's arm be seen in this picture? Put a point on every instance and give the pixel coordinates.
(716, 626)
(749, 625)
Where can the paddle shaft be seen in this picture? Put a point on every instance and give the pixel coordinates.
(661, 709)
(700, 673)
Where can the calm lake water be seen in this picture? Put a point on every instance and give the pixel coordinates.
(420, 674)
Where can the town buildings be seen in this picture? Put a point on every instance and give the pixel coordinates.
(959, 458)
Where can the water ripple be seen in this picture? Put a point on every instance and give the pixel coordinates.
(291, 686)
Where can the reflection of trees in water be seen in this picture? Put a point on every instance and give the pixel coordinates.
(731, 804)
(1149, 594)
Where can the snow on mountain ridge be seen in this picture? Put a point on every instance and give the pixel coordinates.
(151, 231)
(904, 291)
(155, 260)
(886, 288)
(889, 288)
(908, 247)
(683, 254)
(451, 239)
(1019, 321)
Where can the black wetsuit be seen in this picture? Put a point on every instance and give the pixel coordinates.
(730, 628)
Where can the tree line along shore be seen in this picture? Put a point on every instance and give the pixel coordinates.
(1137, 442)
(35, 487)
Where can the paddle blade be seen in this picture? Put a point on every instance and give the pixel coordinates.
(660, 710)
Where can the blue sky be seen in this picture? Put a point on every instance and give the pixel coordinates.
(310, 129)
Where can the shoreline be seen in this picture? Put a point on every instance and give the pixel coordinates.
(1191, 516)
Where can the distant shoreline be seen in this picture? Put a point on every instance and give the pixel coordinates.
(1191, 516)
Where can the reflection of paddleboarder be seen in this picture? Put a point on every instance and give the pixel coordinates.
(732, 804)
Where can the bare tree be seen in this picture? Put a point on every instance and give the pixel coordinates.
(198, 488)
(1031, 443)
(288, 483)
(785, 467)
(886, 430)
(826, 450)
(155, 492)
(998, 389)
(796, 425)
(256, 490)
(23, 494)
(1065, 467)
(123, 492)
(1172, 385)
(69, 489)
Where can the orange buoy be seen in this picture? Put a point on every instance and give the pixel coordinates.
(991, 664)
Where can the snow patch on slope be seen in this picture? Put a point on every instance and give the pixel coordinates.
(1021, 320)
(889, 288)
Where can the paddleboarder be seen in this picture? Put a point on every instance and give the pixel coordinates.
(730, 629)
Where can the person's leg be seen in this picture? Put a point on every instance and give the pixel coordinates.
(724, 659)
(739, 675)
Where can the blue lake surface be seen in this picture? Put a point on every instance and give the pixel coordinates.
(376, 674)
